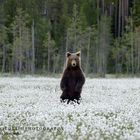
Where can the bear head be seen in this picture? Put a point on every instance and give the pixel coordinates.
(73, 59)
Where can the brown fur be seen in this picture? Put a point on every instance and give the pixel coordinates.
(73, 78)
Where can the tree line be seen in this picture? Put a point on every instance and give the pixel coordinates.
(35, 35)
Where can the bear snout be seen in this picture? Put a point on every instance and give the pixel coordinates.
(73, 63)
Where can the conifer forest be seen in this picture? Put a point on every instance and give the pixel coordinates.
(36, 34)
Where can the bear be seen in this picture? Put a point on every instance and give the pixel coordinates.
(72, 79)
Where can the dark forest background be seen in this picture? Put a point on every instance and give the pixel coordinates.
(36, 34)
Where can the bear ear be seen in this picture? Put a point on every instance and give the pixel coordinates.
(68, 54)
(78, 53)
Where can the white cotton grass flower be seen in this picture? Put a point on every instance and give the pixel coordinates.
(109, 109)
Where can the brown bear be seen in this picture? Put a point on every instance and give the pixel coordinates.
(73, 78)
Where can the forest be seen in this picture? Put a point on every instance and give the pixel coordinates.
(36, 34)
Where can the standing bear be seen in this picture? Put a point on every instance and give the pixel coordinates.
(73, 78)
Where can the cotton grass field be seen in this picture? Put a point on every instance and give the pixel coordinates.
(30, 109)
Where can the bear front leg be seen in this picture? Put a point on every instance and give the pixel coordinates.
(63, 84)
(79, 85)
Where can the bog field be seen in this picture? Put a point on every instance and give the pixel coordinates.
(30, 108)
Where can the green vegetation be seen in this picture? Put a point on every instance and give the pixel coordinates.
(35, 35)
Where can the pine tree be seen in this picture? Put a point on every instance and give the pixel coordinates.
(49, 47)
(104, 44)
(21, 43)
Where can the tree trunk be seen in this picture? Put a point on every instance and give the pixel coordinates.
(67, 45)
(119, 20)
(116, 18)
(20, 52)
(4, 58)
(138, 67)
(103, 7)
(33, 50)
(123, 16)
(88, 49)
(54, 63)
(49, 52)
(98, 34)
(132, 48)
